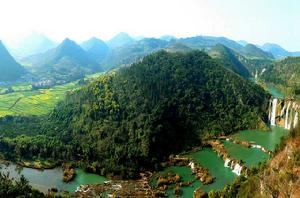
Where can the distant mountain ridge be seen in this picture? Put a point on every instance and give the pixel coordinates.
(96, 48)
(67, 61)
(120, 40)
(278, 51)
(134, 50)
(123, 49)
(202, 42)
(252, 51)
(10, 70)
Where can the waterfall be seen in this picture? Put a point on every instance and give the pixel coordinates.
(287, 115)
(237, 169)
(256, 74)
(270, 109)
(256, 146)
(226, 164)
(291, 118)
(273, 114)
(296, 120)
(263, 70)
(282, 110)
(192, 165)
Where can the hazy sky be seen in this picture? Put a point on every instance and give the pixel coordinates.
(257, 21)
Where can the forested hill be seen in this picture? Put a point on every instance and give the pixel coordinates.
(229, 59)
(284, 73)
(138, 115)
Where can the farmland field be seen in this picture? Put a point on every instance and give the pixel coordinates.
(24, 101)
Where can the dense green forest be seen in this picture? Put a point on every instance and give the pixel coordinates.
(229, 59)
(135, 117)
(12, 188)
(284, 73)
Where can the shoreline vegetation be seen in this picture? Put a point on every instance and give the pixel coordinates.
(163, 182)
(114, 114)
(69, 172)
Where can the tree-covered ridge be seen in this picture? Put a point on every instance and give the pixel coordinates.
(253, 52)
(135, 117)
(132, 52)
(284, 73)
(10, 188)
(229, 59)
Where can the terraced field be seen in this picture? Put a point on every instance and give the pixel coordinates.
(25, 101)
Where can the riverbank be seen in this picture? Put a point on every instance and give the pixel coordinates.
(38, 164)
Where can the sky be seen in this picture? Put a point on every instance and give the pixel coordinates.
(256, 21)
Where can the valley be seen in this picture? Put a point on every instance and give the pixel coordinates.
(188, 117)
(149, 99)
(225, 154)
(25, 101)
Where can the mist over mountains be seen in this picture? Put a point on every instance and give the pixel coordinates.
(10, 70)
(69, 60)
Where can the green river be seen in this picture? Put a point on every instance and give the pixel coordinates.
(223, 175)
(250, 156)
(46, 179)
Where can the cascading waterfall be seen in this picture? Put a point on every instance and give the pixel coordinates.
(270, 109)
(237, 169)
(226, 164)
(296, 120)
(256, 74)
(256, 146)
(263, 71)
(192, 165)
(282, 110)
(273, 113)
(287, 115)
(291, 117)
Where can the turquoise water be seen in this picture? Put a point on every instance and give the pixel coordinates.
(209, 159)
(267, 139)
(250, 156)
(223, 175)
(274, 91)
(43, 180)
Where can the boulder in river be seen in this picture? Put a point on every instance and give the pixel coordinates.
(198, 193)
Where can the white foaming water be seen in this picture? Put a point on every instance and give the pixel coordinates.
(226, 164)
(263, 70)
(237, 169)
(282, 110)
(296, 120)
(256, 146)
(192, 165)
(273, 114)
(256, 74)
(287, 115)
(270, 109)
(291, 118)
